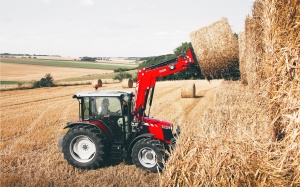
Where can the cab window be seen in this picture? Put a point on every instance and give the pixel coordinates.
(114, 105)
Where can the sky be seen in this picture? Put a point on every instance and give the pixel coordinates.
(110, 28)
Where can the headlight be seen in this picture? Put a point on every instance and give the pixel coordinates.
(172, 67)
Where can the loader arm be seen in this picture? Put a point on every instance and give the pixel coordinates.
(146, 78)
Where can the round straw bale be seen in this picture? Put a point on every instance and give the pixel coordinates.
(127, 83)
(97, 83)
(188, 90)
(216, 50)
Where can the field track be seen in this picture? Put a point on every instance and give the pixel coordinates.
(32, 121)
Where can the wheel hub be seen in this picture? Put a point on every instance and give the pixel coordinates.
(85, 147)
(147, 157)
(82, 149)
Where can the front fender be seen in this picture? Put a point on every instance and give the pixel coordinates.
(147, 135)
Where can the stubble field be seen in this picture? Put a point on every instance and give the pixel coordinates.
(32, 121)
(22, 72)
(25, 72)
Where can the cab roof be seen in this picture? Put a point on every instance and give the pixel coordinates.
(102, 93)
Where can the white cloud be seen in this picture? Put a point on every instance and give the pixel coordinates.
(87, 2)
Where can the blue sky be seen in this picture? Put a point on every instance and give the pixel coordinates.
(115, 28)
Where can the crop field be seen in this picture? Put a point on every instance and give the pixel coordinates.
(33, 120)
(16, 72)
(97, 76)
(22, 75)
(26, 72)
(67, 63)
(112, 60)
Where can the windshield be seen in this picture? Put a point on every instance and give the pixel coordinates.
(97, 107)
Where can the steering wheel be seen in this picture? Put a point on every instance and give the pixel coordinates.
(117, 113)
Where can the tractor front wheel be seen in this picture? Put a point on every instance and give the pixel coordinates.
(84, 147)
(148, 154)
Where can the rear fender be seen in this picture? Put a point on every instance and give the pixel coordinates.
(106, 130)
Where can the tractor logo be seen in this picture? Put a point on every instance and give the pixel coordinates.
(163, 70)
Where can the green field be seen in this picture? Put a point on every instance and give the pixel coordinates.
(71, 64)
(11, 82)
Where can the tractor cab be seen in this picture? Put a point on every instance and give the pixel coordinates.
(110, 110)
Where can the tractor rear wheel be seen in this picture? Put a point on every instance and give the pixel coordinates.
(148, 154)
(84, 147)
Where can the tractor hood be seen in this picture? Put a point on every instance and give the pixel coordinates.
(153, 122)
(161, 129)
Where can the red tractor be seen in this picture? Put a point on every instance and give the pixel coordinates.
(113, 125)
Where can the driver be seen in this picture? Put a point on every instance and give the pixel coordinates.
(103, 109)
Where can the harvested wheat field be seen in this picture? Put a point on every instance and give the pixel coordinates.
(231, 145)
(24, 72)
(251, 135)
(32, 121)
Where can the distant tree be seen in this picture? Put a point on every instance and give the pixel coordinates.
(181, 50)
(149, 61)
(86, 58)
(123, 69)
(122, 75)
(47, 81)
(193, 71)
(236, 36)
